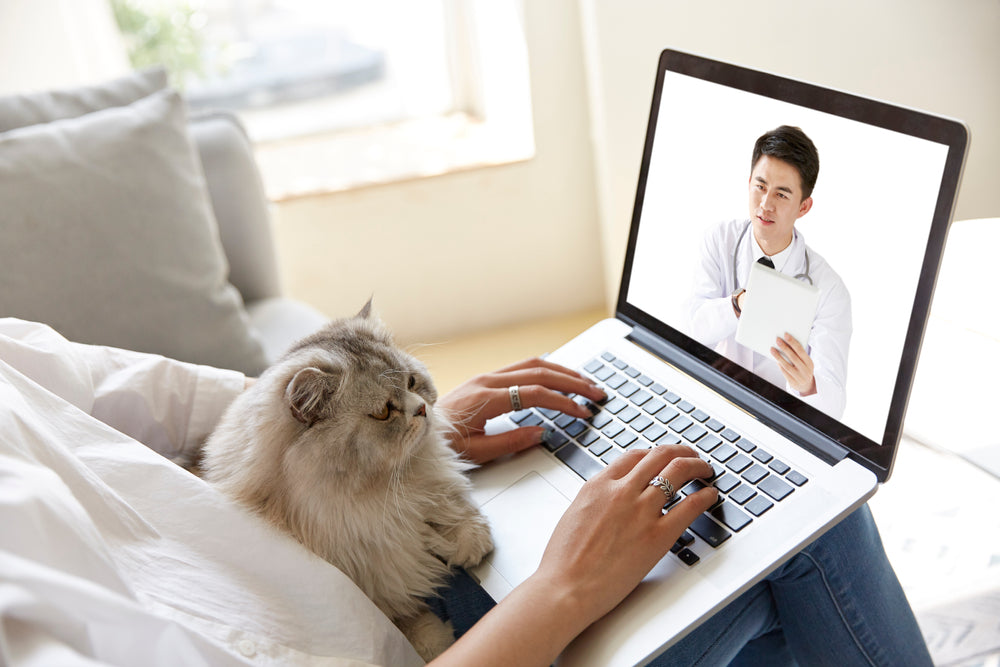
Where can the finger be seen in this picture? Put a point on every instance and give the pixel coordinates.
(538, 362)
(485, 448)
(687, 510)
(555, 379)
(655, 461)
(536, 396)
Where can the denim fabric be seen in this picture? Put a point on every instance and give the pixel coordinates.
(837, 602)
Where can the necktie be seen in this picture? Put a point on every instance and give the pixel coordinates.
(766, 261)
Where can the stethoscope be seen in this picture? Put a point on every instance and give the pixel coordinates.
(736, 252)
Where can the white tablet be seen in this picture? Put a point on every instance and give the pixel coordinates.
(775, 304)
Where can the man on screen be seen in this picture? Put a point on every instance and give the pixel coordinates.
(783, 172)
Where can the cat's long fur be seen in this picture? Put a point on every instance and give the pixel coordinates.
(339, 443)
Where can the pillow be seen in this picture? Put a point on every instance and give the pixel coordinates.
(33, 108)
(108, 236)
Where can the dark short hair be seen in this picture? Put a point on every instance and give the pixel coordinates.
(791, 145)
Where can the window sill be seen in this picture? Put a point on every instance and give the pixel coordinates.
(336, 162)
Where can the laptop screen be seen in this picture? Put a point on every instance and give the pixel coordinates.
(867, 240)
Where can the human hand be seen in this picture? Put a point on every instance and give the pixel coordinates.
(614, 532)
(540, 384)
(795, 364)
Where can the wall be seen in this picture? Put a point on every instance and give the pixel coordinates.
(474, 249)
(943, 57)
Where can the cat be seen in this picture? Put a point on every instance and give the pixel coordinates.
(340, 444)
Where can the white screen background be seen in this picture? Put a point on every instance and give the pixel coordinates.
(873, 205)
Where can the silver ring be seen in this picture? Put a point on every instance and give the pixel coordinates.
(663, 484)
(515, 397)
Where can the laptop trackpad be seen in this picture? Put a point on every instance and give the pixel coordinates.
(522, 519)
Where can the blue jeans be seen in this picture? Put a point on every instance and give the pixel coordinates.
(837, 602)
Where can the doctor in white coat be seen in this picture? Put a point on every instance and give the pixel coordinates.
(784, 168)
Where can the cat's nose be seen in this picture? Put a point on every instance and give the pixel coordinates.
(421, 411)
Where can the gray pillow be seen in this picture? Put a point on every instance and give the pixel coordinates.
(108, 236)
(33, 108)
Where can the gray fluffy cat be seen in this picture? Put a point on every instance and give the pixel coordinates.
(339, 443)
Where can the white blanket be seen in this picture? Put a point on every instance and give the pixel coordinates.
(111, 554)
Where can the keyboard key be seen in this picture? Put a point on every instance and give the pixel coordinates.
(599, 447)
(628, 389)
(641, 423)
(746, 445)
(593, 366)
(619, 364)
(626, 439)
(640, 397)
(762, 456)
(628, 414)
(520, 415)
(653, 406)
(727, 483)
(532, 419)
(716, 471)
(669, 439)
(685, 406)
(758, 505)
(644, 380)
(724, 453)
(693, 433)
(604, 373)
(564, 420)
(779, 467)
(658, 389)
(582, 463)
(632, 372)
(739, 463)
(731, 516)
(601, 420)
(612, 455)
(694, 486)
(613, 429)
(714, 424)
(686, 539)
(709, 442)
(755, 473)
(607, 356)
(616, 405)
(688, 557)
(551, 414)
(576, 427)
(708, 530)
(666, 415)
(671, 397)
(588, 437)
(678, 425)
(730, 435)
(616, 381)
(700, 416)
(796, 478)
(653, 433)
(553, 440)
(775, 487)
(742, 493)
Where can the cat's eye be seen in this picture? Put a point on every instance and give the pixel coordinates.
(382, 414)
(413, 382)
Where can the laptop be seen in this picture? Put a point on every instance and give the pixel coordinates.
(788, 466)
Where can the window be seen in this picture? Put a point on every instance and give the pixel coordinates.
(339, 93)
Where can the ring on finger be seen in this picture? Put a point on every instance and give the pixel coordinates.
(663, 484)
(515, 397)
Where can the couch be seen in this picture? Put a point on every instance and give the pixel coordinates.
(129, 222)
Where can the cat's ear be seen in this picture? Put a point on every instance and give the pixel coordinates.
(308, 394)
(366, 312)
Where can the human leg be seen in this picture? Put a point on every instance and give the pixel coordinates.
(837, 602)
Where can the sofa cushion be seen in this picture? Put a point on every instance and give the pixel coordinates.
(109, 236)
(43, 107)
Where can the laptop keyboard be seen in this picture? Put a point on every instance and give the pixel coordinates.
(640, 413)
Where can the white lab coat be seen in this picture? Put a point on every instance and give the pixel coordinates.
(111, 554)
(713, 322)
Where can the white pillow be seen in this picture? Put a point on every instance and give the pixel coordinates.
(43, 107)
(109, 237)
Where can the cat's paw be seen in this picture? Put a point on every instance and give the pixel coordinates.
(472, 541)
(428, 634)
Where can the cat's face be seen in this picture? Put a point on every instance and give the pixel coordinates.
(361, 402)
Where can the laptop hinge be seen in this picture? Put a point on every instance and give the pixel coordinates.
(827, 449)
